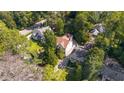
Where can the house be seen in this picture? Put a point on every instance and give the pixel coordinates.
(95, 32)
(36, 31)
(98, 29)
(38, 34)
(78, 55)
(67, 43)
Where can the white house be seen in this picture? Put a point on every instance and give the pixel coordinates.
(95, 32)
(67, 43)
(98, 29)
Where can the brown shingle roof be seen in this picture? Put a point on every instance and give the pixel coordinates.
(63, 41)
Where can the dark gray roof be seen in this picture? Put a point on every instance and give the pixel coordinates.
(112, 70)
(112, 74)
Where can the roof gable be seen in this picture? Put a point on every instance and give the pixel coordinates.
(64, 40)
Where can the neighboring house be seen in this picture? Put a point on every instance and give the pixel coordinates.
(95, 32)
(98, 29)
(67, 43)
(38, 34)
(36, 31)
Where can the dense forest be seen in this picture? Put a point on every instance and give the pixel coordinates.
(79, 24)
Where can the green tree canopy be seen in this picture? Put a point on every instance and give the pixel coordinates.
(93, 63)
(50, 74)
(50, 40)
(60, 52)
(7, 18)
(10, 40)
(50, 57)
(59, 26)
